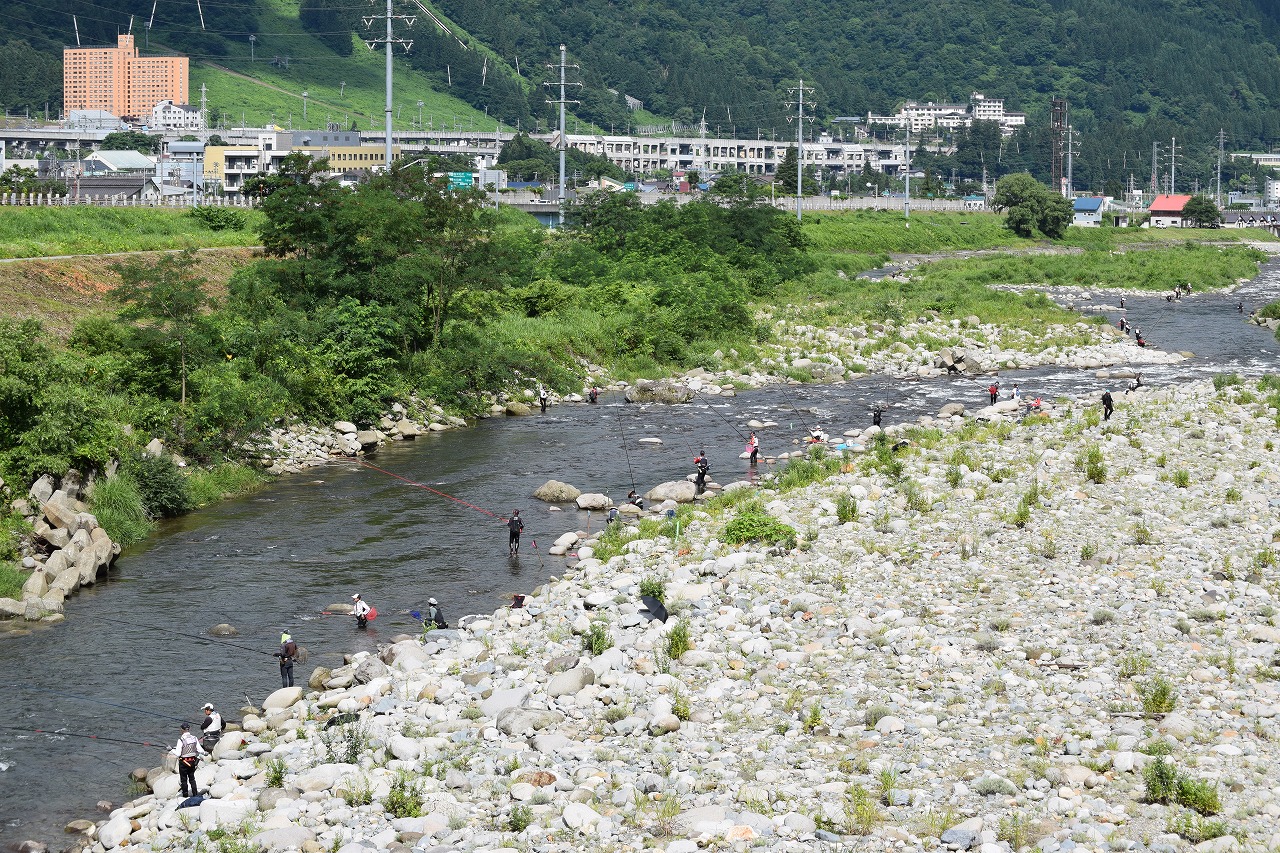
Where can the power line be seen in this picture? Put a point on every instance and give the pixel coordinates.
(799, 92)
(562, 142)
(389, 40)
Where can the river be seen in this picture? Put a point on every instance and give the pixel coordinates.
(275, 560)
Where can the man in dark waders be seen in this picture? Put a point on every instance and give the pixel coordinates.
(1108, 405)
(188, 752)
(542, 399)
(515, 526)
(593, 396)
(994, 391)
(700, 462)
(360, 610)
(288, 654)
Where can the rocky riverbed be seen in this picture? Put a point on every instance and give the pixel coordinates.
(996, 636)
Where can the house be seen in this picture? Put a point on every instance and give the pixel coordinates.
(975, 202)
(166, 115)
(1087, 211)
(118, 162)
(1166, 211)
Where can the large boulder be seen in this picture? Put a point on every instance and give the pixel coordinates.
(556, 492)
(285, 697)
(36, 584)
(517, 408)
(659, 391)
(369, 669)
(571, 682)
(680, 491)
(594, 501)
(519, 722)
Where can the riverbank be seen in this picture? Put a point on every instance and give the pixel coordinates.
(992, 637)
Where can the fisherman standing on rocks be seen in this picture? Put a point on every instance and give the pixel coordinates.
(211, 727)
(753, 447)
(994, 390)
(287, 654)
(542, 399)
(1108, 405)
(515, 526)
(188, 752)
(434, 617)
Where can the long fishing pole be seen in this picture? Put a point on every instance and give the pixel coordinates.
(627, 452)
(181, 634)
(726, 419)
(95, 701)
(434, 491)
(52, 733)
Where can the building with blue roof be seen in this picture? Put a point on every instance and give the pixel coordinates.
(1087, 211)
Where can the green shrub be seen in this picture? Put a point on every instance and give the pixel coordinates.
(1226, 380)
(275, 773)
(404, 799)
(954, 475)
(1181, 478)
(11, 580)
(875, 714)
(220, 218)
(654, 588)
(1196, 829)
(597, 638)
(1092, 464)
(1198, 794)
(229, 480)
(1161, 778)
(161, 484)
(678, 641)
(1142, 534)
(520, 818)
(752, 523)
(1158, 696)
(846, 508)
(680, 706)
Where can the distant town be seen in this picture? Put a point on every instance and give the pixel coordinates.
(108, 90)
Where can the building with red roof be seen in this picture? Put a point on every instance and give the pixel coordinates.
(1166, 211)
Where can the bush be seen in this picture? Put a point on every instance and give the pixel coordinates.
(846, 509)
(654, 588)
(1226, 380)
(1198, 794)
(520, 818)
(404, 799)
(1196, 829)
(162, 486)
(753, 524)
(597, 638)
(1161, 778)
(678, 641)
(1158, 696)
(220, 218)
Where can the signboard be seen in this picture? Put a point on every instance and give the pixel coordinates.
(460, 180)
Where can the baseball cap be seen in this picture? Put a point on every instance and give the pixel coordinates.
(208, 706)
(431, 601)
(186, 727)
(354, 597)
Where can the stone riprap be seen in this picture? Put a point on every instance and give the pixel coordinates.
(1013, 623)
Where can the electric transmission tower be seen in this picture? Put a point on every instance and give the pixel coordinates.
(1058, 117)
(1173, 166)
(798, 92)
(389, 40)
(1072, 149)
(1222, 141)
(563, 141)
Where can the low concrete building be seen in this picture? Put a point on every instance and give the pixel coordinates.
(1087, 211)
(1166, 211)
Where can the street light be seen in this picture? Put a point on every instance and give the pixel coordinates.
(252, 41)
(304, 106)
(420, 106)
(342, 89)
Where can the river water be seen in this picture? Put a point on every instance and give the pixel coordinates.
(275, 560)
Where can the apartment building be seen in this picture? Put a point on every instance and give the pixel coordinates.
(119, 81)
(928, 116)
(229, 166)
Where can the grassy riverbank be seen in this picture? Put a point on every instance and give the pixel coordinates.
(39, 232)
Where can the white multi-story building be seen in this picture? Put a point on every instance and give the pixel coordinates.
(927, 116)
(166, 115)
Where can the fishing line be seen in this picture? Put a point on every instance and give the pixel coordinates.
(416, 484)
(96, 701)
(727, 420)
(181, 634)
(163, 746)
(627, 452)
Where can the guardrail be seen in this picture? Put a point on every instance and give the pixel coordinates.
(51, 200)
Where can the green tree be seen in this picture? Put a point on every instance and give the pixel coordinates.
(1202, 212)
(785, 179)
(19, 179)
(132, 140)
(1030, 206)
(167, 295)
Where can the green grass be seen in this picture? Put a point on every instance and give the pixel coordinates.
(224, 481)
(117, 503)
(1109, 238)
(34, 232)
(11, 580)
(314, 68)
(1205, 267)
(881, 231)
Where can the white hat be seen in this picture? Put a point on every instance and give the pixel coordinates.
(356, 596)
(208, 706)
(431, 601)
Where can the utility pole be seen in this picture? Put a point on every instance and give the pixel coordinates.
(564, 142)
(1155, 169)
(1173, 166)
(799, 91)
(388, 40)
(1071, 155)
(1222, 141)
(906, 201)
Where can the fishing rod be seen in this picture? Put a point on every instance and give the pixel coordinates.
(418, 485)
(726, 419)
(181, 634)
(95, 701)
(163, 746)
(627, 452)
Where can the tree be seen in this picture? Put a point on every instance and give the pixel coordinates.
(1031, 206)
(132, 140)
(18, 179)
(785, 179)
(1202, 212)
(169, 295)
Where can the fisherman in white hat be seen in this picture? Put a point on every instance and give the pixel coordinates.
(434, 617)
(211, 727)
(360, 610)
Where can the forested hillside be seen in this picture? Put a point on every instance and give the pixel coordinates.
(1133, 71)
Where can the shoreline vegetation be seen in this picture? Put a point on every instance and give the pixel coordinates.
(404, 288)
